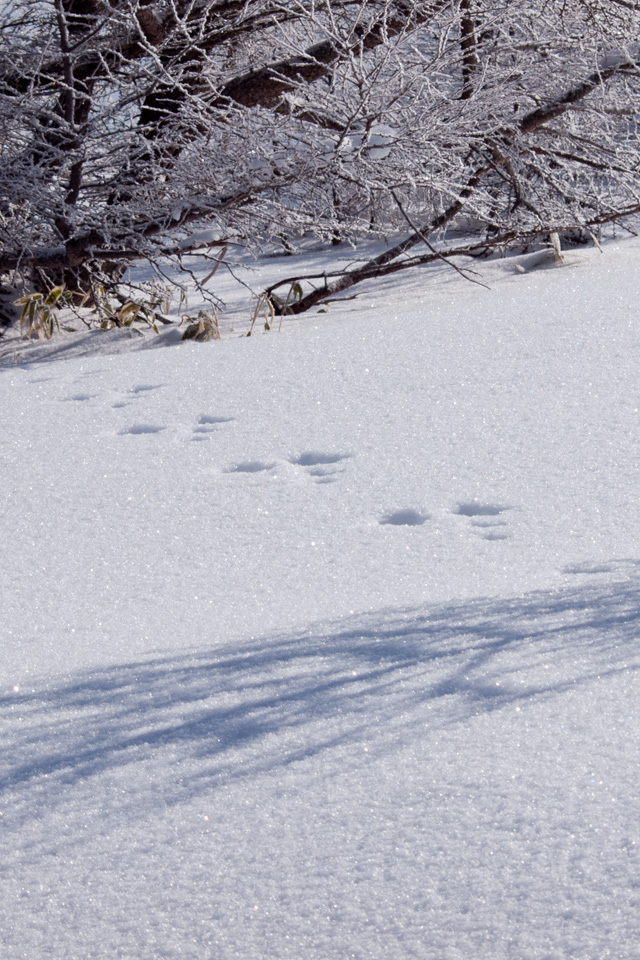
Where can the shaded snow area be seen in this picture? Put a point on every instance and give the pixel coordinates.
(324, 644)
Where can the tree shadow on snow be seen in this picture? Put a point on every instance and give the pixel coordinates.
(188, 725)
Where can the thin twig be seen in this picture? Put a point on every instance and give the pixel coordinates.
(430, 246)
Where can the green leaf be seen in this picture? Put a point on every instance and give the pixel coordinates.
(54, 295)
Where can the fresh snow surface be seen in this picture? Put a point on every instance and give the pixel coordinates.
(323, 644)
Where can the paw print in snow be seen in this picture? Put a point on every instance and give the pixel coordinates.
(486, 517)
(321, 466)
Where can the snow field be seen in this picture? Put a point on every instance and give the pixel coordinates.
(324, 645)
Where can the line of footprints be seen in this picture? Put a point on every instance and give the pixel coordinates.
(486, 519)
(321, 467)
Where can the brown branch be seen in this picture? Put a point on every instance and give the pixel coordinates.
(268, 86)
(469, 49)
(350, 278)
(429, 245)
(380, 265)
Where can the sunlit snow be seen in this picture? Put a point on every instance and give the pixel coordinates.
(324, 644)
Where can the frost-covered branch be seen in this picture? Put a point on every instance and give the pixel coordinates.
(129, 127)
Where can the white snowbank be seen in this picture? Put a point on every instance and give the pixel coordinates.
(325, 644)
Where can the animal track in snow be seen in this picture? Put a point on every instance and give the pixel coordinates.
(250, 466)
(475, 509)
(79, 396)
(405, 518)
(321, 466)
(324, 474)
(207, 425)
(313, 458)
(136, 393)
(484, 516)
(139, 428)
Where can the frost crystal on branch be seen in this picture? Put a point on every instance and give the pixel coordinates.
(129, 128)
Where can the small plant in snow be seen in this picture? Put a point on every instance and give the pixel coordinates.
(264, 309)
(269, 305)
(205, 327)
(125, 314)
(294, 295)
(163, 296)
(39, 312)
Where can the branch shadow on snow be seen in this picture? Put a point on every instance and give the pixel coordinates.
(188, 725)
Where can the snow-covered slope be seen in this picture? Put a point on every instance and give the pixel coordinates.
(324, 644)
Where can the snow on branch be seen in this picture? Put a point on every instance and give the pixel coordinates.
(136, 130)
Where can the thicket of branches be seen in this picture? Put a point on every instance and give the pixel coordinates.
(135, 129)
